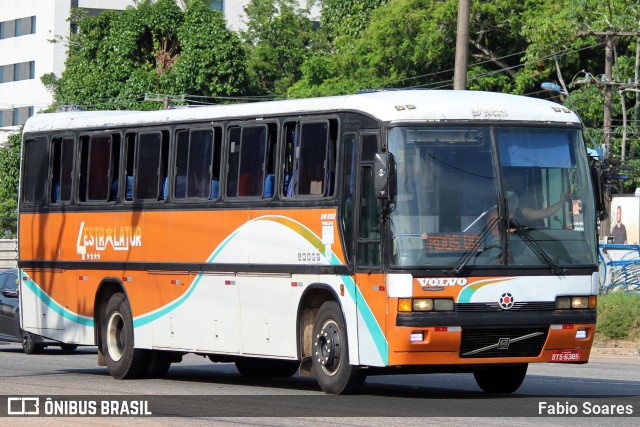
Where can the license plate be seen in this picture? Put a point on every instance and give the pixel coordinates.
(566, 355)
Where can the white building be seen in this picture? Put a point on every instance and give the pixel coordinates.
(26, 30)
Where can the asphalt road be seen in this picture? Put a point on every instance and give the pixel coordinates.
(198, 392)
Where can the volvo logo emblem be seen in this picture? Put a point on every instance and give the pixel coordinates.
(506, 301)
(503, 343)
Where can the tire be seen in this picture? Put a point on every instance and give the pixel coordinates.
(123, 360)
(159, 364)
(261, 368)
(68, 347)
(30, 343)
(501, 379)
(330, 353)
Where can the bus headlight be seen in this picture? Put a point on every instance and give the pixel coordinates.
(576, 302)
(423, 304)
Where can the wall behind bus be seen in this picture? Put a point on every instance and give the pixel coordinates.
(8, 253)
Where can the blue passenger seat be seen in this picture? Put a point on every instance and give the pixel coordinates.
(268, 185)
(215, 189)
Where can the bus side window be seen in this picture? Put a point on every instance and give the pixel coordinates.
(270, 162)
(312, 162)
(217, 162)
(233, 161)
(290, 131)
(36, 167)
(96, 153)
(247, 161)
(62, 170)
(181, 167)
(151, 166)
(310, 158)
(129, 162)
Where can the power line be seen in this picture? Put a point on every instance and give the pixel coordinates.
(447, 83)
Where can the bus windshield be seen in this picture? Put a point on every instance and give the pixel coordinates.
(487, 196)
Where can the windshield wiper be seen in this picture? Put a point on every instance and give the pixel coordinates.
(535, 247)
(482, 236)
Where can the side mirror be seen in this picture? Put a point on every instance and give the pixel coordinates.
(384, 176)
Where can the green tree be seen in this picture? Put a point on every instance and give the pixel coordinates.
(118, 57)
(9, 177)
(279, 38)
(211, 61)
(347, 18)
(409, 43)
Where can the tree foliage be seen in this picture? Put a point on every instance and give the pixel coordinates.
(118, 57)
(347, 18)
(9, 177)
(279, 38)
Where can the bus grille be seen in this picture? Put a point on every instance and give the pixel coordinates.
(517, 342)
(494, 306)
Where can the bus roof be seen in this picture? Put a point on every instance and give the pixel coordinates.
(394, 106)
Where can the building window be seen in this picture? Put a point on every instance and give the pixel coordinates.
(18, 27)
(16, 72)
(216, 5)
(15, 116)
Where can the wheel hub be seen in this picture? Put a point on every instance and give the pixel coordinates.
(115, 336)
(328, 348)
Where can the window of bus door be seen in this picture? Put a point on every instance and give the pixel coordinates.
(368, 248)
(348, 186)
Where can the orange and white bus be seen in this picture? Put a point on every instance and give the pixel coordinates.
(385, 232)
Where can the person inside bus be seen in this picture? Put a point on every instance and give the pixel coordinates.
(524, 214)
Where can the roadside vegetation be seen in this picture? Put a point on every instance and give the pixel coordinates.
(619, 317)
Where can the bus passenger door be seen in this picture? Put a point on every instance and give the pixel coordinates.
(371, 295)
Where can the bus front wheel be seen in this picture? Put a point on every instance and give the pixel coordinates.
(330, 353)
(501, 379)
(123, 360)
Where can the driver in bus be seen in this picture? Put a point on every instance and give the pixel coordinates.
(526, 215)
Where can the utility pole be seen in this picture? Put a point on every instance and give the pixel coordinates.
(608, 84)
(165, 99)
(608, 76)
(462, 46)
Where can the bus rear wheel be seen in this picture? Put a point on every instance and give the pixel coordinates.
(123, 360)
(256, 368)
(30, 344)
(330, 353)
(501, 379)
